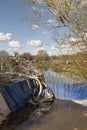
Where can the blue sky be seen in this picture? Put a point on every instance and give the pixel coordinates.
(21, 35)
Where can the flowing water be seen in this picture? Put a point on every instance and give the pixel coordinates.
(67, 86)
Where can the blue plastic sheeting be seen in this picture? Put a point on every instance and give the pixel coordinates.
(69, 91)
(16, 94)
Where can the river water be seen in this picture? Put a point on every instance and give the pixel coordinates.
(67, 86)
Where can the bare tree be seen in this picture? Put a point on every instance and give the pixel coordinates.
(3, 55)
(69, 13)
(42, 54)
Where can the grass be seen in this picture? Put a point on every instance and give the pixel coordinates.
(76, 68)
(4, 80)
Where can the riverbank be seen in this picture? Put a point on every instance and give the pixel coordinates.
(77, 69)
(64, 115)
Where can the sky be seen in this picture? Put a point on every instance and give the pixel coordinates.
(20, 34)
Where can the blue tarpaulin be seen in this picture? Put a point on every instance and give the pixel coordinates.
(16, 94)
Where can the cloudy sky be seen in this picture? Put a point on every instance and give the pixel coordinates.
(19, 33)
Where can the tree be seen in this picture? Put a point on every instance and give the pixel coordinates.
(69, 13)
(16, 53)
(42, 54)
(3, 55)
(26, 56)
(72, 14)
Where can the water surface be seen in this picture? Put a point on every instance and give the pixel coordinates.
(67, 86)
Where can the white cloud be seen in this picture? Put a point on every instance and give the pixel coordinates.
(67, 51)
(34, 43)
(44, 32)
(41, 51)
(40, 48)
(62, 49)
(63, 46)
(73, 39)
(66, 46)
(39, 1)
(50, 21)
(60, 46)
(34, 8)
(15, 44)
(5, 37)
(54, 48)
(35, 26)
(50, 53)
(9, 49)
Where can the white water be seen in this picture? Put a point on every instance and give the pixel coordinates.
(67, 86)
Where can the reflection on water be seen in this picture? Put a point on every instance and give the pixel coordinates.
(63, 77)
(67, 86)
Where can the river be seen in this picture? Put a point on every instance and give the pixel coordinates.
(67, 86)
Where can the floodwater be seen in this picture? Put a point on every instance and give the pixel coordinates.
(65, 86)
